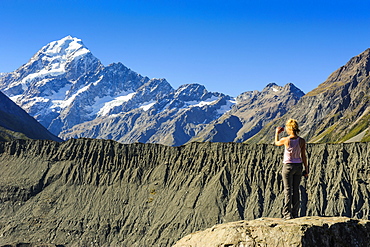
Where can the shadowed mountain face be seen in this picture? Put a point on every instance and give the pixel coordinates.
(15, 123)
(336, 111)
(93, 192)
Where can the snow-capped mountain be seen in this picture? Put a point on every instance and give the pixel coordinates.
(65, 59)
(49, 78)
(72, 94)
(171, 119)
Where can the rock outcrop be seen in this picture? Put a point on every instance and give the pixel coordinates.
(85, 192)
(32, 245)
(270, 232)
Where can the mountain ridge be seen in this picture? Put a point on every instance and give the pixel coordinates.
(72, 94)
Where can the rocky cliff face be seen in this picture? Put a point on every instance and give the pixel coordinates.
(336, 111)
(95, 192)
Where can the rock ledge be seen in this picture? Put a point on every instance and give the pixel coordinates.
(305, 231)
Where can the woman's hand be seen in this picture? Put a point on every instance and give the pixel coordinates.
(279, 130)
(306, 175)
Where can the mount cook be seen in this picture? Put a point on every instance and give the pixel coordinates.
(72, 94)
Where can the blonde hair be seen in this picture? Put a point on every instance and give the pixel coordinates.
(292, 125)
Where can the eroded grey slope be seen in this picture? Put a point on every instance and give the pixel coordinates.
(94, 192)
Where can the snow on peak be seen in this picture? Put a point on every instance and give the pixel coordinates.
(227, 107)
(147, 106)
(272, 86)
(54, 57)
(64, 49)
(103, 105)
(210, 101)
(190, 89)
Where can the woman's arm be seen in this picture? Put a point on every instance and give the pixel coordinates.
(303, 155)
(277, 141)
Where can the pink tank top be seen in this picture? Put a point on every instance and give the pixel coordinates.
(292, 154)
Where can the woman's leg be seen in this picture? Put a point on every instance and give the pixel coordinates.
(288, 184)
(296, 182)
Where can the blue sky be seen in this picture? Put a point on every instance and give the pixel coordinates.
(229, 46)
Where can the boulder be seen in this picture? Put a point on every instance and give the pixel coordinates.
(305, 231)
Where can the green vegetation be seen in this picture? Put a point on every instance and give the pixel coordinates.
(325, 87)
(361, 126)
(325, 136)
(366, 138)
(8, 135)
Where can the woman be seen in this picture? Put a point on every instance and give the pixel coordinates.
(294, 156)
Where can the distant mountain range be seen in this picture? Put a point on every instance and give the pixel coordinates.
(72, 94)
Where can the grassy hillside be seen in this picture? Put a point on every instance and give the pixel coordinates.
(8, 135)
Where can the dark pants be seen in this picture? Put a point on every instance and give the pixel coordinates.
(292, 174)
